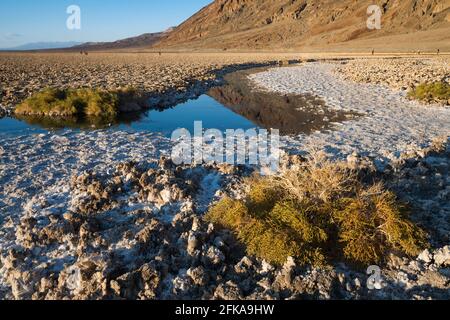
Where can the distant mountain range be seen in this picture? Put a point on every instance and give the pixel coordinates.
(42, 46)
(143, 41)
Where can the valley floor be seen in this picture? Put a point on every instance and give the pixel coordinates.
(100, 215)
(390, 124)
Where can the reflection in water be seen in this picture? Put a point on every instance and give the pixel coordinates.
(293, 114)
(232, 106)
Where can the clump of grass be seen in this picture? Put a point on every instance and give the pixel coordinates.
(430, 92)
(373, 222)
(271, 229)
(95, 103)
(318, 214)
(75, 103)
(47, 102)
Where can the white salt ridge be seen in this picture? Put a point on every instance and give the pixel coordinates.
(35, 174)
(34, 163)
(392, 124)
(35, 170)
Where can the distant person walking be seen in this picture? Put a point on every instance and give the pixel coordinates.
(373, 51)
(438, 51)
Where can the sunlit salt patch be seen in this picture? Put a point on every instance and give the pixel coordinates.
(42, 165)
(392, 124)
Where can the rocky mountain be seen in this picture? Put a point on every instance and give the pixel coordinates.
(285, 24)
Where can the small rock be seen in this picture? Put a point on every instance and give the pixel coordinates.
(357, 283)
(192, 244)
(228, 291)
(426, 256)
(442, 257)
(198, 276)
(214, 256)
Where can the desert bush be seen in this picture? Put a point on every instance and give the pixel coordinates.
(273, 235)
(435, 91)
(48, 102)
(95, 103)
(319, 213)
(372, 222)
(318, 180)
(75, 102)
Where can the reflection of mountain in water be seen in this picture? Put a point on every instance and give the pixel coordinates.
(236, 100)
(290, 114)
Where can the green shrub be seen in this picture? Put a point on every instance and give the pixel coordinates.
(436, 91)
(373, 222)
(75, 103)
(298, 215)
(48, 102)
(95, 103)
(273, 235)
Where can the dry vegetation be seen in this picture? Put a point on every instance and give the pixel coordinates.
(77, 103)
(66, 103)
(431, 92)
(320, 213)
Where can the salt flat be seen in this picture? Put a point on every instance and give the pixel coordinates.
(391, 124)
(52, 240)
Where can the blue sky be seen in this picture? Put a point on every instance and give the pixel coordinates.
(25, 21)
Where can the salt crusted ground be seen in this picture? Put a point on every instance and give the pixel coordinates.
(399, 74)
(392, 124)
(79, 220)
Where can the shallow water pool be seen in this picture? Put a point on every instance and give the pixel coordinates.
(205, 109)
(235, 105)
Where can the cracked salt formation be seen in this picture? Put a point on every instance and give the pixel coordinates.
(392, 124)
(146, 238)
(139, 244)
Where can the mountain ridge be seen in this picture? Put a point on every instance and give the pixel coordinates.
(141, 41)
(282, 24)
